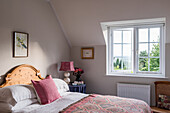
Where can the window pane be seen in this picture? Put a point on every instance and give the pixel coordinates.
(154, 64)
(127, 64)
(143, 49)
(143, 64)
(154, 34)
(127, 36)
(143, 35)
(127, 51)
(117, 62)
(117, 50)
(117, 36)
(154, 49)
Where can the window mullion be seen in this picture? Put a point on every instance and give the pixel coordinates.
(110, 49)
(135, 50)
(161, 40)
(122, 51)
(148, 49)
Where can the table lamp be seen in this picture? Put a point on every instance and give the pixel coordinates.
(67, 66)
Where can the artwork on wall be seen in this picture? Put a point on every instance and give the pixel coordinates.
(87, 53)
(20, 44)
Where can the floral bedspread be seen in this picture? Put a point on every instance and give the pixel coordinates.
(107, 104)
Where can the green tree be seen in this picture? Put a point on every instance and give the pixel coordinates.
(154, 62)
(155, 50)
(116, 64)
(143, 62)
(120, 64)
(143, 53)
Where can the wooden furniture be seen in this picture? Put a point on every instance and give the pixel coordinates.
(78, 88)
(161, 87)
(22, 74)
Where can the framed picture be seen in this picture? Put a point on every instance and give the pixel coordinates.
(87, 53)
(20, 44)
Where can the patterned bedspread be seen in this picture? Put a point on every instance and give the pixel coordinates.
(107, 104)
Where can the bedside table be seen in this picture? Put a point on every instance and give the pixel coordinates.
(78, 88)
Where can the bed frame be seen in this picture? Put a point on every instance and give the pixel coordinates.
(22, 74)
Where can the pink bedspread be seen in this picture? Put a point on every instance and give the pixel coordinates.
(107, 104)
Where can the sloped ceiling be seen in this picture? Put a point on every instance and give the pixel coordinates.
(81, 19)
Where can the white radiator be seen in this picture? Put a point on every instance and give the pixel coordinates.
(137, 91)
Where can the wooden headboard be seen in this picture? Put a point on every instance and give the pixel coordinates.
(22, 74)
(162, 87)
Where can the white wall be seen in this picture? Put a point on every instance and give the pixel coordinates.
(103, 11)
(81, 18)
(81, 21)
(47, 44)
(95, 72)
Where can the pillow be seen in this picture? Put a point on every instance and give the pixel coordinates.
(61, 85)
(6, 107)
(24, 103)
(46, 90)
(164, 102)
(16, 93)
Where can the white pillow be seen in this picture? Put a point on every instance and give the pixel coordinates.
(24, 103)
(6, 107)
(62, 86)
(16, 93)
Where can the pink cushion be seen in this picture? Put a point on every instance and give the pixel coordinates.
(46, 90)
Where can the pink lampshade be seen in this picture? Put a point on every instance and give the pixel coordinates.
(67, 66)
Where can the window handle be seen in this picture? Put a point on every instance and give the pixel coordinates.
(136, 51)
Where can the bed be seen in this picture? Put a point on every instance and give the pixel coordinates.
(17, 95)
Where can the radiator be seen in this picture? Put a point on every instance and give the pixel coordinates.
(137, 91)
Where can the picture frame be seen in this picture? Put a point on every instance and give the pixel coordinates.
(87, 53)
(20, 44)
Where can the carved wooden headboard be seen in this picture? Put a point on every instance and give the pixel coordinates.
(22, 74)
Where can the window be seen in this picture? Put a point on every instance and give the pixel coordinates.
(136, 50)
(149, 49)
(122, 47)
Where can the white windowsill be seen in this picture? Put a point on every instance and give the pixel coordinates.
(137, 75)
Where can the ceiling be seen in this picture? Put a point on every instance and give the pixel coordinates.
(80, 19)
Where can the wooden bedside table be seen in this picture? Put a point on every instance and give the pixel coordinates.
(77, 88)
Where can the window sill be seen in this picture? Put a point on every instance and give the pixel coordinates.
(138, 75)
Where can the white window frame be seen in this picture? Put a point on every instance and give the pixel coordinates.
(138, 25)
(111, 39)
(161, 52)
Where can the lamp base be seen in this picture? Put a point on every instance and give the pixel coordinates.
(66, 74)
(67, 80)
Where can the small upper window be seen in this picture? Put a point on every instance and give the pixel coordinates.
(136, 50)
